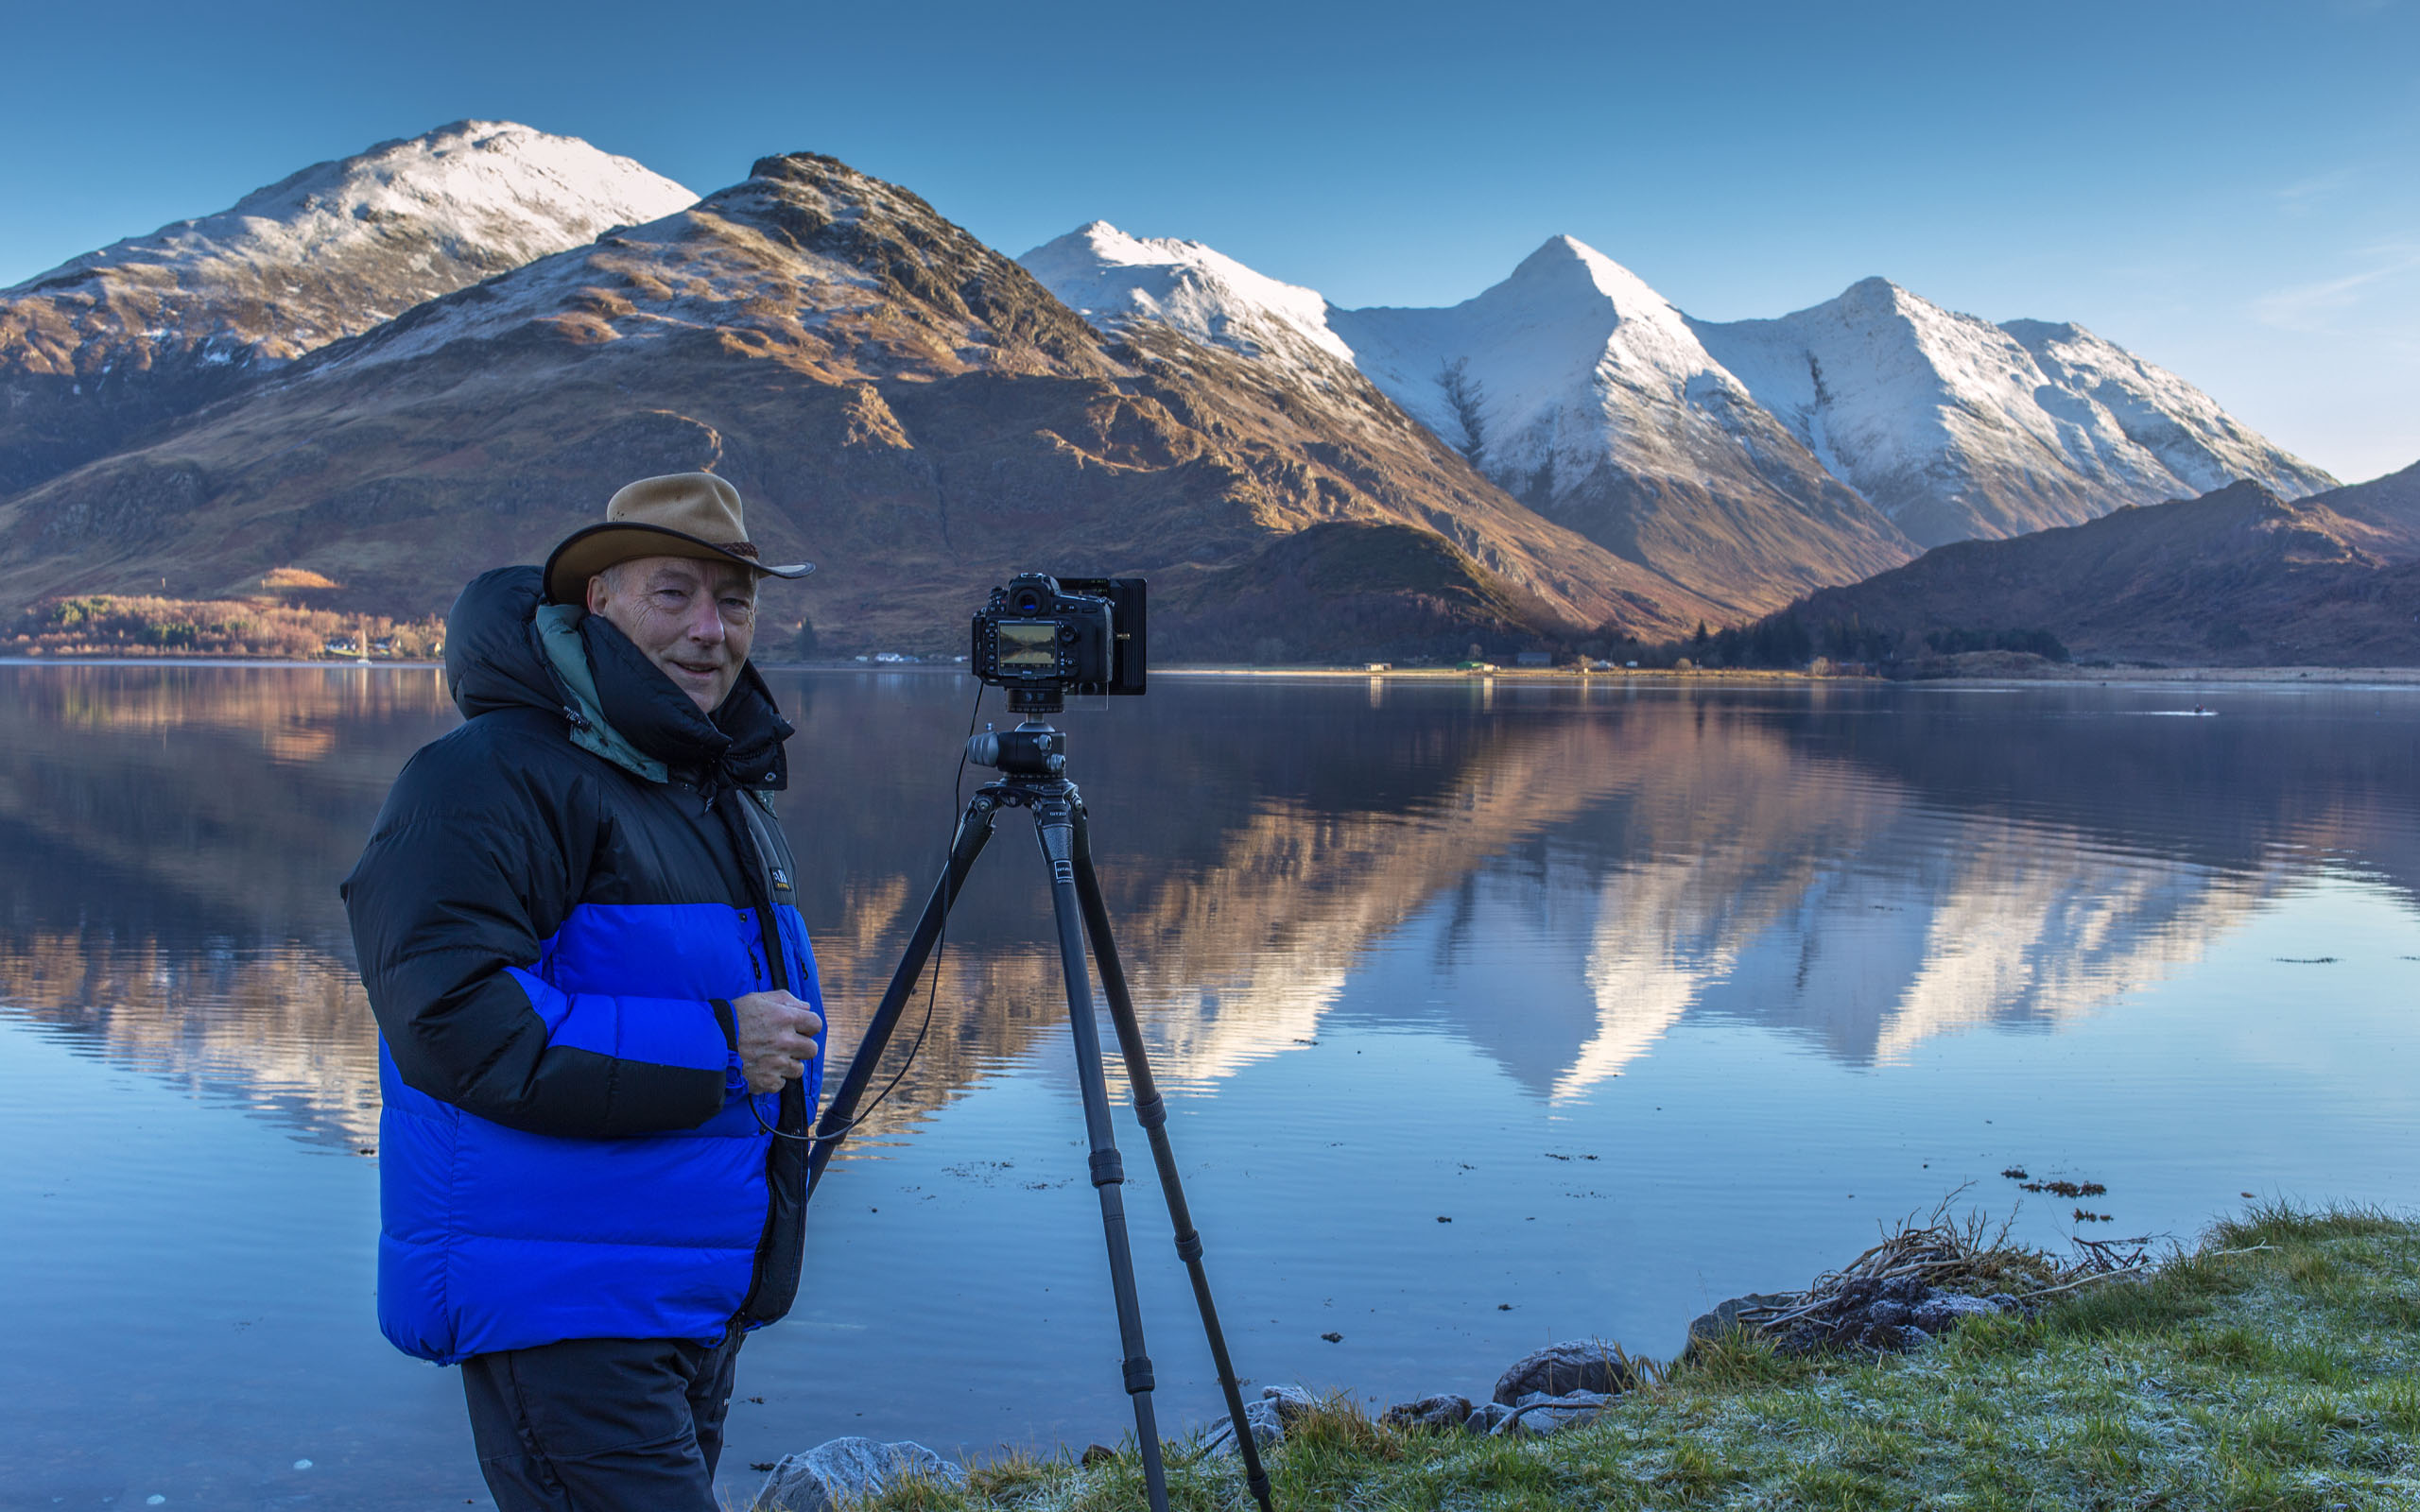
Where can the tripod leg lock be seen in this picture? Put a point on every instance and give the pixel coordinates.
(1108, 1169)
(1138, 1375)
(1152, 1111)
(1189, 1246)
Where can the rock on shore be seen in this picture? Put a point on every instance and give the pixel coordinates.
(844, 1470)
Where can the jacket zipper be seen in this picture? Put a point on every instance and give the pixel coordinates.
(752, 865)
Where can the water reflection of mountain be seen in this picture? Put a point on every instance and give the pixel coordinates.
(175, 836)
(1865, 871)
(1557, 877)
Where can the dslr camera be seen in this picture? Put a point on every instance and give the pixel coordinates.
(1042, 638)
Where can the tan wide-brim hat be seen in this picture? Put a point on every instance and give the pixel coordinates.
(685, 514)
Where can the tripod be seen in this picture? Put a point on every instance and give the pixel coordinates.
(1033, 765)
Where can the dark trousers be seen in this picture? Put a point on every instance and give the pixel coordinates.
(601, 1425)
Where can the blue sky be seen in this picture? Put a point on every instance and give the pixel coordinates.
(2231, 190)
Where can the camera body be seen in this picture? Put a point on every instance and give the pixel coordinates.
(1043, 637)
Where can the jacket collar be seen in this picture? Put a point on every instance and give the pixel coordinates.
(621, 707)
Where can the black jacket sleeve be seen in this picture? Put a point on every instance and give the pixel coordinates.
(476, 859)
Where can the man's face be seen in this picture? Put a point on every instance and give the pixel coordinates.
(694, 619)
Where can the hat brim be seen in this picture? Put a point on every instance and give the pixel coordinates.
(585, 552)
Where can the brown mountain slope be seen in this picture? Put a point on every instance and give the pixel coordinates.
(2238, 577)
(2390, 505)
(896, 401)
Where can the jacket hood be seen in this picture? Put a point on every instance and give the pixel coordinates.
(491, 659)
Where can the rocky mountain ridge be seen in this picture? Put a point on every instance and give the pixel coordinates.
(2238, 576)
(897, 402)
(1586, 395)
(1565, 454)
(143, 330)
(1744, 458)
(1960, 429)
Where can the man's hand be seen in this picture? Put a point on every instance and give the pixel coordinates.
(776, 1039)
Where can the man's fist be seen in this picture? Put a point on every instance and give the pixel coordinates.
(777, 1036)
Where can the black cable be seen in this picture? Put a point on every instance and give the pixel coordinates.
(940, 949)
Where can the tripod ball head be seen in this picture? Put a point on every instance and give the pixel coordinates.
(1031, 750)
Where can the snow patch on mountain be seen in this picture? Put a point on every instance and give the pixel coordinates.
(704, 267)
(1111, 278)
(343, 246)
(1572, 384)
(1574, 375)
(2200, 444)
(1538, 378)
(1951, 425)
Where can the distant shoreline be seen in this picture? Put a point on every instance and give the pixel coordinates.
(2052, 673)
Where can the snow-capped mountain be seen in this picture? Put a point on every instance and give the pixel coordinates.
(496, 326)
(1309, 376)
(2202, 445)
(1111, 279)
(1572, 384)
(895, 400)
(155, 326)
(1748, 459)
(1584, 393)
(1959, 429)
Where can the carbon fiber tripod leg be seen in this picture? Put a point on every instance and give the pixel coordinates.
(1056, 823)
(1153, 1115)
(973, 831)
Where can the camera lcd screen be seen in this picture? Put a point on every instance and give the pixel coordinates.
(1028, 644)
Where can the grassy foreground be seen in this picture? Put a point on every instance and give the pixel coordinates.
(2277, 1366)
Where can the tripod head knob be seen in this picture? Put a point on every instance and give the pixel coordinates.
(1031, 750)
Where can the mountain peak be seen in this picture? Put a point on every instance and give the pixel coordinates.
(1113, 278)
(804, 165)
(1874, 298)
(1956, 427)
(154, 326)
(2033, 334)
(1565, 261)
(491, 195)
(808, 260)
(2243, 493)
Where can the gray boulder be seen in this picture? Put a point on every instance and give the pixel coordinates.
(1291, 1402)
(1262, 1418)
(1486, 1418)
(1277, 1410)
(1429, 1412)
(1584, 1365)
(1725, 1317)
(850, 1469)
(1539, 1412)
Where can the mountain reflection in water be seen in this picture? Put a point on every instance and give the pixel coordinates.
(1659, 991)
(1580, 868)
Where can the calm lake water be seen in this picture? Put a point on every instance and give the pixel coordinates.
(1660, 993)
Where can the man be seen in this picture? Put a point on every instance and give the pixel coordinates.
(596, 1005)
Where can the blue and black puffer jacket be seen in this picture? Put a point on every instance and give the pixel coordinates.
(557, 907)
